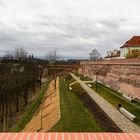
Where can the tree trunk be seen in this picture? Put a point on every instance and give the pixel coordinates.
(40, 81)
(55, 78)
(55, 83)
(5, 118)
(26, 97)
(17, 104)
(2, 112)
(10, 109)
(34, 87)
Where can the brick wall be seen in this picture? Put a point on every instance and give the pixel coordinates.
(121, 75)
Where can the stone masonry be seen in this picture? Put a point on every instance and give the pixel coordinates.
(120, 75)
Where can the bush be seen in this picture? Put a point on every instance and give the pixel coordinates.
(133, 53)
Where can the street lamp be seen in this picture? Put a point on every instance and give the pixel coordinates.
(96, 80)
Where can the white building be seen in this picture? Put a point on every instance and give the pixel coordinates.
(132, 44)
(115, 54)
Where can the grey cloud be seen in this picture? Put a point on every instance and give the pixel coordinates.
(68, 35)
(1, 3)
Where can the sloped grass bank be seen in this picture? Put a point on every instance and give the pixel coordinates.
(136, 102)
(82, 77)
(100, 116)
(30, 112)
(75, 117)
(110, 96)
(68, 78)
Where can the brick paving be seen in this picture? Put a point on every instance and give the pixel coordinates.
(119, 119)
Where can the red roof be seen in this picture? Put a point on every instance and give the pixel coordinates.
(133, 42)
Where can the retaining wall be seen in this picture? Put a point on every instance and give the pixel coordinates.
(121, 75)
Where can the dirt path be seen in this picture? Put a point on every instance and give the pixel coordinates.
(49, 112)
(119, 119)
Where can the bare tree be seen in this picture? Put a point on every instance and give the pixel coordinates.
(17, 78)
(20, 53)
(95, 55)
(8, 55)
(52, 56)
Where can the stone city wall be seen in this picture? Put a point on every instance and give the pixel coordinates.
(121, 75)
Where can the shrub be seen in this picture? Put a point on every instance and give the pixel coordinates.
(133, 53)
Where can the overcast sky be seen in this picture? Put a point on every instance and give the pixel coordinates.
(73, 27)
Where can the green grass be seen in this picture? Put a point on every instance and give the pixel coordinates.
(68, 78)
(120, 95)
(107, 94)
(30, 112)
(75, 117)
(137, 103)
(76, 88)
(83, 78)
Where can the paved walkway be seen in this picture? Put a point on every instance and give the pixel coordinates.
(121, 121)
(49, 112)
(73, 83)
(88, 82)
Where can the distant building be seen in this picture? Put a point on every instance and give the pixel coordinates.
(132, 44)
(115, 54)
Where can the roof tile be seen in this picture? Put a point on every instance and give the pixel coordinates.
(133, 42)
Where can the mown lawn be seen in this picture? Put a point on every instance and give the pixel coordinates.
(137, 103)
(68, 78)
(75, 117)
(83, 78)
(107, 94)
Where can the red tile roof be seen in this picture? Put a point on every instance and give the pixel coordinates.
(133, 42)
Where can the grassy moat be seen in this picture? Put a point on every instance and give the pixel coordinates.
(75, 117)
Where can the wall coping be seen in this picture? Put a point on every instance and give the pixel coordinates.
(135, 62)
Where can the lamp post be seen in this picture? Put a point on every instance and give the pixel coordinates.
(96, 80)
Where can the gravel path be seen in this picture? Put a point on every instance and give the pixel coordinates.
(119, 119)
(49, 112)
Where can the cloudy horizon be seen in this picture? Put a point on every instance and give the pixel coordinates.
(72, 27)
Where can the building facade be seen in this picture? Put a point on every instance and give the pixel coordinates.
(115, 54)
(132, 44)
